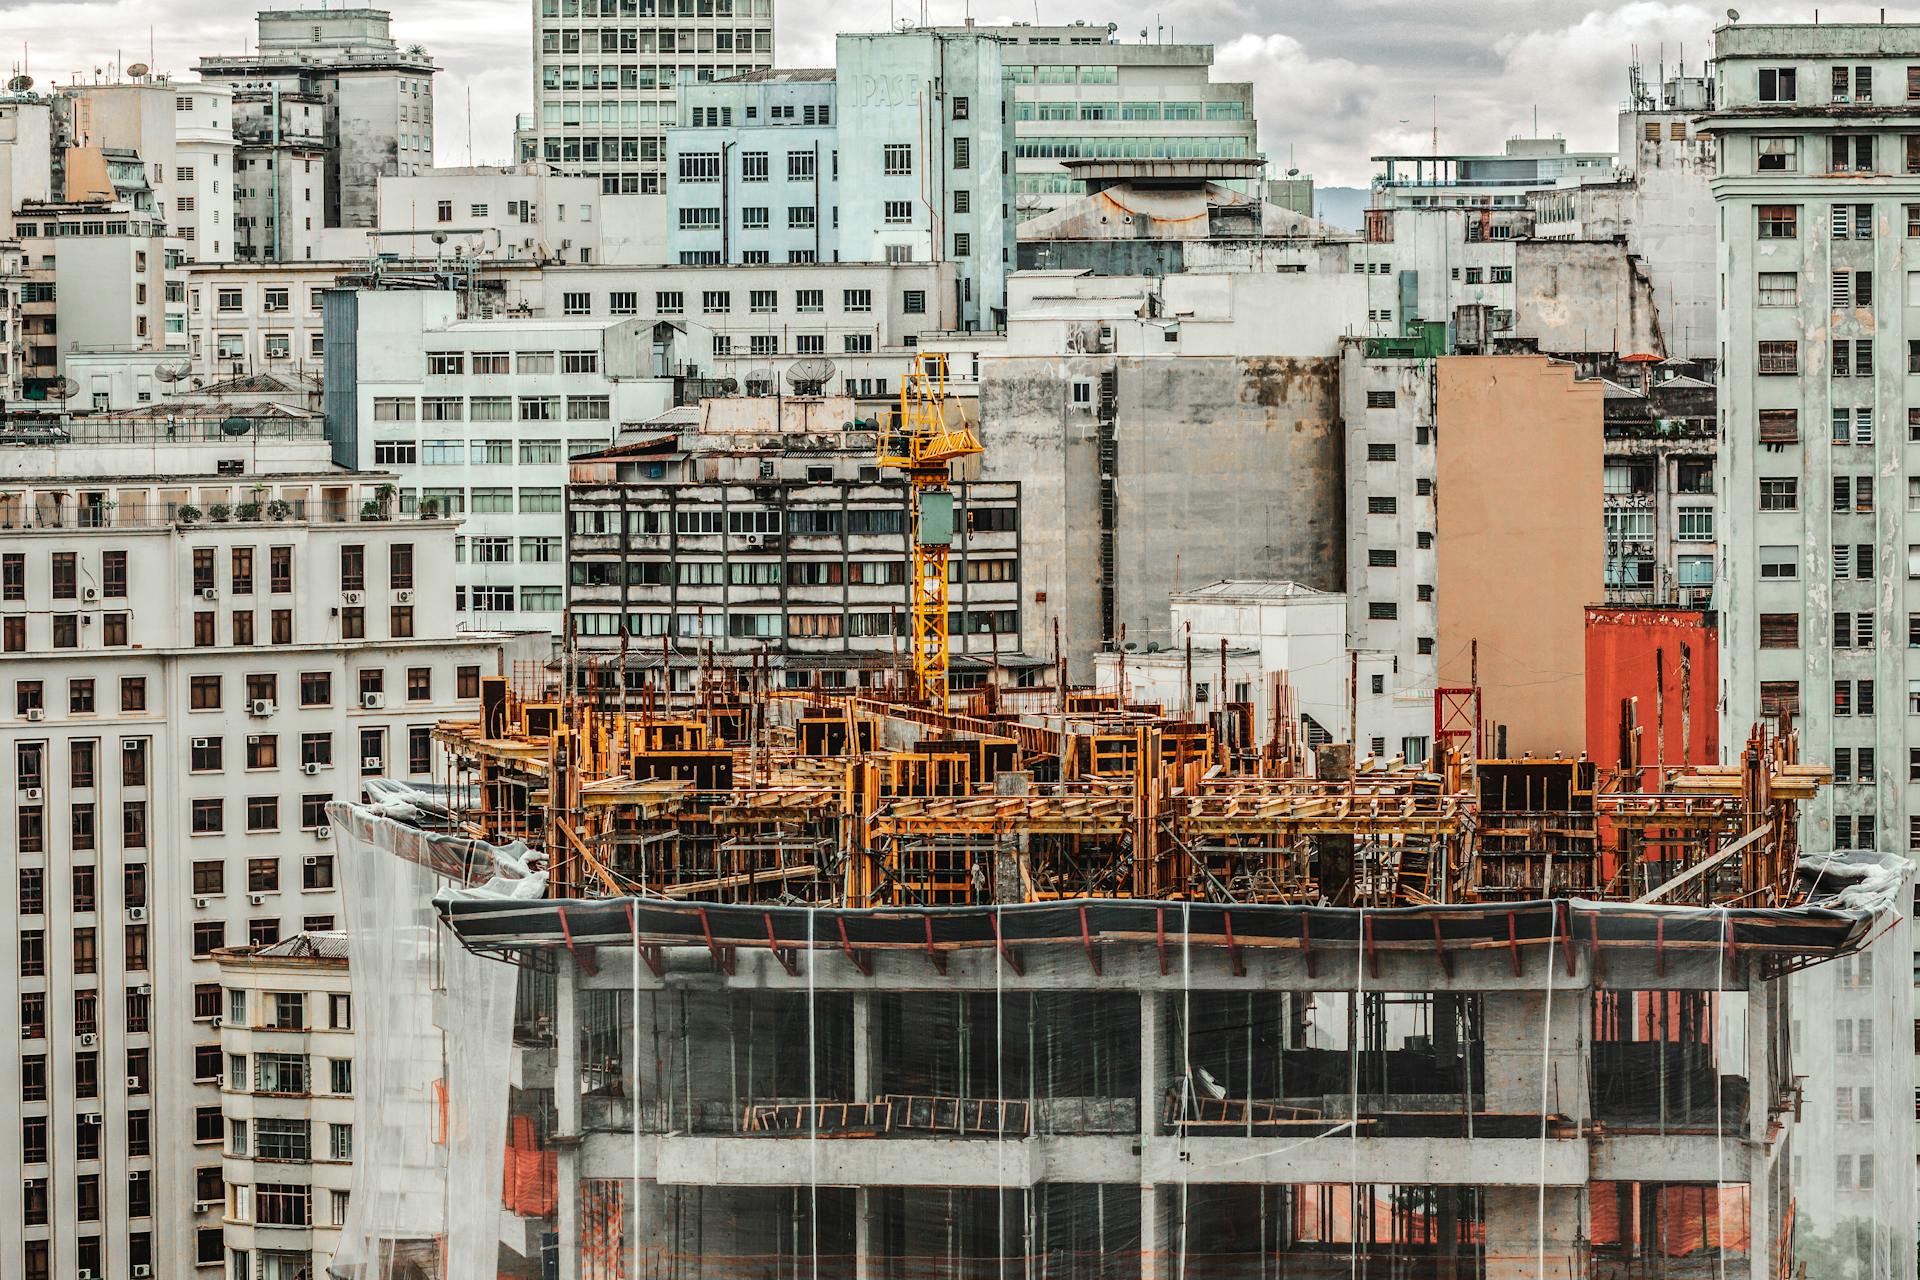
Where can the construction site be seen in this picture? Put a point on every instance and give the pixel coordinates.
(858, 988)
(729, 982)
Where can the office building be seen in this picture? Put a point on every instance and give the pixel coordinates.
(477, 419)
(764, 530)
(608, 77)
(1081, 94)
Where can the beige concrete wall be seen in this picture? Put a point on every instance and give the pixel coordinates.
(1519, 540)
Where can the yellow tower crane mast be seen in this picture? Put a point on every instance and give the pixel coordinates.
(923, 440)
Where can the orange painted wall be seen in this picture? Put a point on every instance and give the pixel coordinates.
(1622, 644)
(1519, 539)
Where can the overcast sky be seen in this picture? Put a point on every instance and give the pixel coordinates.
(1335, 81)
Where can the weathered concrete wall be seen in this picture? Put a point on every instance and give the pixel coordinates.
(1225, 467)
(1520, 540)
(1583, 295)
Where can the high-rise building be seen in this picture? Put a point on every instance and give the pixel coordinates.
(607, 78)
(1080, 94)
(207, 636)
(1818, 201)
(327, 105)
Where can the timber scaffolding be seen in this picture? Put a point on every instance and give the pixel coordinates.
(733, 793)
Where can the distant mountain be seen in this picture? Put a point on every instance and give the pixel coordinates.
(1343, 207)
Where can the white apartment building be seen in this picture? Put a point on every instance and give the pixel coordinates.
(249, 317)
(285, 1018)
(202, 210)
(205, 639)
(607, 76)
(12, 355)
(103, 268)
(28, 122)
(756, 168)
(1078, 94)
(326, 105)
(1818, 200)
(528, 212)
(755, 324)
(476, 419)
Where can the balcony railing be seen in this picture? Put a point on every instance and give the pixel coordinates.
(233, 430)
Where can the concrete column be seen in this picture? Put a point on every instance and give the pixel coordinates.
(1516, 1035)
(866, 1233)
(1514, 1228)
(566, 1103)
(1153, 1264)
(864, 1072)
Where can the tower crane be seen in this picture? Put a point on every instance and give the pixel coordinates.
(924, 438)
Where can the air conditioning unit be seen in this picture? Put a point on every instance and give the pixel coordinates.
(323, 833)
(31, 795)
(311, 860)
(215, 1021)
(133, 744)
(370, 764)
(136, 915)
(209, 593)
(36, 714)
(257, 899)
(201, 904)
(89, 594)
(403, 597)
(353, 597)
(144, 989)
(373, 701)
(310, 768)
(133, 1083)
(141, 1271)
(84, 1273)
(88, 1117)
(88, 1040)
(201, 744)
(260, 707)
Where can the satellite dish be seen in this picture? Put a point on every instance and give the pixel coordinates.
(235, 426)
(729, 385)
(1293, 173)
(171, 372)
(815, 370)
(138, 69)
(20, 84)
(66, 387)
(1733, 15)
(439, 237)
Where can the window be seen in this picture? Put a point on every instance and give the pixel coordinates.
(1695, 524)
(581, 304)
(914, 302)
(896, 158)
(963, 247)
(1779, 221)
(1779, 84)
(1777, 155)
(1850, 153)
(1779, 289)
(1779, 631)
(1781, 493)
(1779, 356)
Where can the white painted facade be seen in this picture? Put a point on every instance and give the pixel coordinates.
(525, 212)
(166, 683)
(288, 1150)
(202, 209)
(478, 418)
